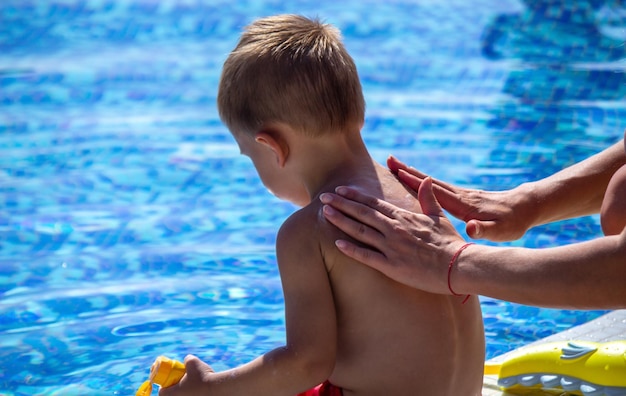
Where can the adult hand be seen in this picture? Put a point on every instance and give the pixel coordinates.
(408, 247)
(195, 381)
(496, 216)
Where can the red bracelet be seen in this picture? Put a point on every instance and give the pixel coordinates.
(452, 261)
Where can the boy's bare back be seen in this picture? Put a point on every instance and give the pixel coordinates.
(390, 339)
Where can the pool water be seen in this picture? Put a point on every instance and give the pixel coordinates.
(131, 227)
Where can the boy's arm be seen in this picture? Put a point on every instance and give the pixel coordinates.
(310, 316)
(308, 357)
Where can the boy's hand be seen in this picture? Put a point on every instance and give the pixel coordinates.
(494, 215)
(194, 383)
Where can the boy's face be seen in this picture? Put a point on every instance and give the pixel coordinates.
(274, 177)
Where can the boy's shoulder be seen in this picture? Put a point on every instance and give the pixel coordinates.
(301, 237)
(303, 223)
(308, 228)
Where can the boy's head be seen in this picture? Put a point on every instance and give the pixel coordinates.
(292, 70)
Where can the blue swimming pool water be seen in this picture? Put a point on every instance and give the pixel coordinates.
(130, 226)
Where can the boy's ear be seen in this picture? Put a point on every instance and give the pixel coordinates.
(274, 141)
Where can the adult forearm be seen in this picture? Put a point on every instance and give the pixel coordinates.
(587, 275)
(575, 191)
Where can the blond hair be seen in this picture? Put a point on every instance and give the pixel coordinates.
(294, 70)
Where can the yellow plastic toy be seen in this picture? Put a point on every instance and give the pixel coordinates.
(164, 372)
(577, 367)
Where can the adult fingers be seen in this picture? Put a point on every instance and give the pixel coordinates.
(396, 165)
(362, 207)
(453, 199)
(367, 256)
(412, 181)
(414, 177)
(443, 191)
(353, 228)
(406, 174)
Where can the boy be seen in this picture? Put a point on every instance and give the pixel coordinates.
(290, 95)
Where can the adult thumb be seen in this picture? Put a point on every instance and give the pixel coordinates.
(474, 229)
(485, 229)
(427, 200)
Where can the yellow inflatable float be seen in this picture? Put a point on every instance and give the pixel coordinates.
(576, 367)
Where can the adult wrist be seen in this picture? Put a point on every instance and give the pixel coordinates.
(454, 271)
(474, 271)
(528, 202)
